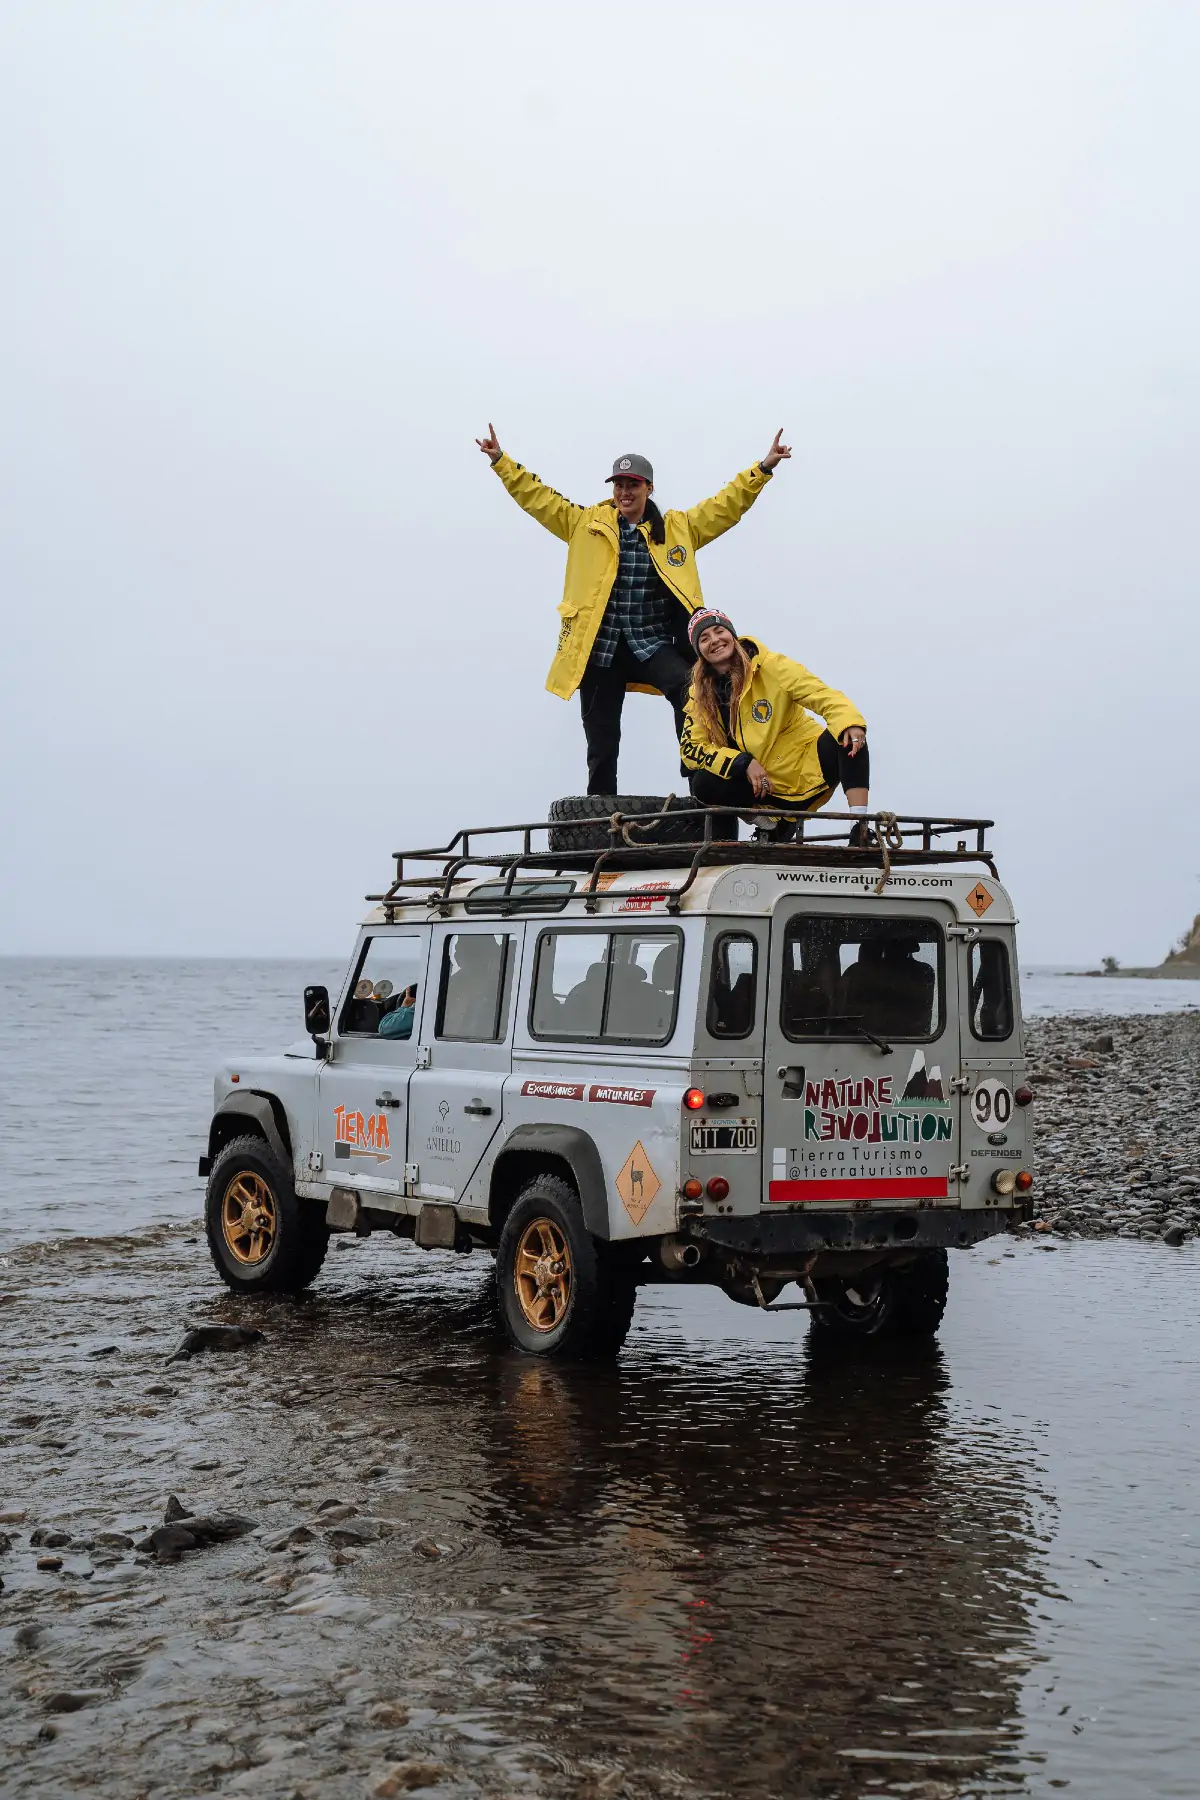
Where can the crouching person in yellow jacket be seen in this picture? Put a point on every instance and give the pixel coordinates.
(630, 588)
(750, 738)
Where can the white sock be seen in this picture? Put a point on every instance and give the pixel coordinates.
(864, 810)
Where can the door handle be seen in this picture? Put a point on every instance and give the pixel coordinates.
(477, 1107)
(386, 1099)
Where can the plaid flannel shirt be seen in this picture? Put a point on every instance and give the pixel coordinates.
(637, 606)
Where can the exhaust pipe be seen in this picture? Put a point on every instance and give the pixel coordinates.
(678, 1254)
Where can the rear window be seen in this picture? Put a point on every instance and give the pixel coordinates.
(843, 976)
(991, 1010)
(733, 985)
(606, 986)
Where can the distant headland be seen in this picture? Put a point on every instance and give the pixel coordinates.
(1180, 964)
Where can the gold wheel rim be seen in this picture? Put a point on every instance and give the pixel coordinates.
(542, 1274)
(249, 1218)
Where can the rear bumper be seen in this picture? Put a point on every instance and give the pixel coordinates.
(790, 1234)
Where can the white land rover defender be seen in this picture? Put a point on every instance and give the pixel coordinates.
(618, 1059)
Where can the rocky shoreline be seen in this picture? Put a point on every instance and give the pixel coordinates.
(1116, 1125)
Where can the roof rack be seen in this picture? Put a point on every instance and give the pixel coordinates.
(900, 840)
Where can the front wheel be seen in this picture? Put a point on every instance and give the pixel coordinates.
(560, 1292)
(262, 1239)
(887, 1301)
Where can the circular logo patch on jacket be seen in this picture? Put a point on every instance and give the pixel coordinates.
(677, 556)
(761, 711)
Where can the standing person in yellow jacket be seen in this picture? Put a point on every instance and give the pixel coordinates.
(630, 588)
(750, 739)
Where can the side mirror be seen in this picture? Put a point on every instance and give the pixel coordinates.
(316, 1011)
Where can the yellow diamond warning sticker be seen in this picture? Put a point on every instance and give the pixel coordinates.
(637, 1184)
(979, 899)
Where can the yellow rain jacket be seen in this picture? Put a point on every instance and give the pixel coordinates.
(593, 540)
(774, 725)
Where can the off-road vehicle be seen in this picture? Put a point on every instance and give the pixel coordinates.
(611, 1059)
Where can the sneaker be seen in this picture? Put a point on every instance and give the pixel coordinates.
(862, 837)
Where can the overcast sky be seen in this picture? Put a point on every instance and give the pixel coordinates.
(268, 269)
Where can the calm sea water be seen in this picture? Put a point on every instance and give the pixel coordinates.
(106, 1090)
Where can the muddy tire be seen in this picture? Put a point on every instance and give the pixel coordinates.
(885, 1302)
(262, 1239)
(581, 821)
(559, 1293)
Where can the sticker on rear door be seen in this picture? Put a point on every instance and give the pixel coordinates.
(991, 1104)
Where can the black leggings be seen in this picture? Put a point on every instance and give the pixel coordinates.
(837, 766)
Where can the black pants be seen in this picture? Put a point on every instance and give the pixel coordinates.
(837, 766)
(602, 695)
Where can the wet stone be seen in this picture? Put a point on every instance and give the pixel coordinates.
(69, 1700)
(215, 1337)
(48, 1537)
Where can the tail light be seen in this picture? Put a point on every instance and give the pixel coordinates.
(718, 1187)
(692, 1189)
(1023, 1096)
(1004, 1181)
(694, 1099)
(1024, 1182)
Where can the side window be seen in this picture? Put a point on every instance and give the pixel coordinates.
(991, 990)
(473, 992)
(383, 999)
(842, 976)
(617, 986)
(733, 986)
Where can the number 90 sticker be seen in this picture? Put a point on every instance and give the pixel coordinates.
(991, 1104)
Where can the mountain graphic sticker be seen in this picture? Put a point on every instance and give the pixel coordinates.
(922, 1083)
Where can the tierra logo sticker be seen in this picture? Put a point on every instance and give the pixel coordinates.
(354, 1135)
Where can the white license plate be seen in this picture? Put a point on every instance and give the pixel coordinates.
(724, 1139)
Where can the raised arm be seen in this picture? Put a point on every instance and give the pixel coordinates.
(711, 518)
(542, 503)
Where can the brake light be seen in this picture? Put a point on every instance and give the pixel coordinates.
(718, 1187)
(1024, 1181)
(1023, 1096)
(694, 1099)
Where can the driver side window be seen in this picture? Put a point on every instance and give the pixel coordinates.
(385, 995)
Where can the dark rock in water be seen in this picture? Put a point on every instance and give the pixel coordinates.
(168, 1542)
(69, 1700)
(174, 1510)
(428, 1549)
(215, 1337)
(353, 1532)
(104, 1350)
(5, 1543)
(28, 1637)
(1175, 1235)
(46, 1537)
(286, 1540)
(50, 1564)
(1102, 1044)
(113, 1540)
(161, 1391)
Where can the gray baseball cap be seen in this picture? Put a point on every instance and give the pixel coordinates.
(627, 466)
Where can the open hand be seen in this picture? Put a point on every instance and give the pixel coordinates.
(490, 445)
(779, 452)
(853, 739)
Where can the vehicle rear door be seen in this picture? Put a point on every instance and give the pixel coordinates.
(862, 1048)
(994, 1127)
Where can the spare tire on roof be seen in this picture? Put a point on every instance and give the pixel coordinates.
(583, 821)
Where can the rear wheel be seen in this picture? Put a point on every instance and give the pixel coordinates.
(560, 1292)
(885, 1301)
(262, 1239)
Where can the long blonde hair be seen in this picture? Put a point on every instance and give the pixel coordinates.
(704, 694)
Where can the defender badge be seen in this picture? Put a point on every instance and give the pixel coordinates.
(761, 711)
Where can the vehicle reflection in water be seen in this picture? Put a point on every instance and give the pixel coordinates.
(755, 1563)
